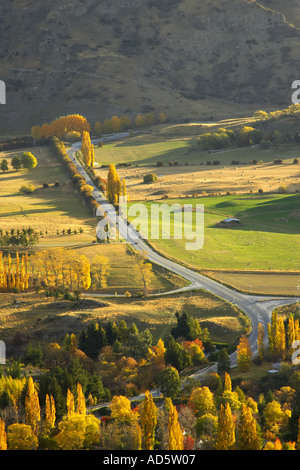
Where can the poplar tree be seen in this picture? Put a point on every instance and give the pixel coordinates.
(86, 147)
(227, 383)
(290, 334)
(92, 163)
(226, 429)
(50, 412)
(175, 435)
(70, 403)
(81, 407)
(281, 342)
(248, 438)
(114, 185)
(244, 353)
(32, 406)
(260, 341)
(148, 416)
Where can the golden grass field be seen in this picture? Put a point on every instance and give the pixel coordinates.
(41, 319)
(46, 209)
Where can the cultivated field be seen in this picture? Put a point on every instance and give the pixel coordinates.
(187, 171)
(267, 239)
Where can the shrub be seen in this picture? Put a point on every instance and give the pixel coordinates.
(27, 188)
(296, 161)
(278, 161)
(282, 189)
(150, 178)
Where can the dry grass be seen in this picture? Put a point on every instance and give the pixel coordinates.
(46, 209)
(260, 283)
(43, 320)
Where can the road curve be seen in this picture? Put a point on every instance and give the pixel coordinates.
(257, 308)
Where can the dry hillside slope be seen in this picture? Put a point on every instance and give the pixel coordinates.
(186, 58)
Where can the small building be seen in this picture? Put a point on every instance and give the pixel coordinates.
(229, 222)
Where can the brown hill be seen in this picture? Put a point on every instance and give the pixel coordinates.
(186, 58)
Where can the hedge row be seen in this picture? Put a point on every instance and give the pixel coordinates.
(84, 189)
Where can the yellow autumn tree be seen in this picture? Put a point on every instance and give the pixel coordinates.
(50, 413)
(100, 270)
(260, 341)
(248, 437)
(32, 406)
(114, 185)
(175, 435)
(92, 163)
(3, 436)
(244, 353)
(121, 408)
(226, 429)
(81, 406)
(86, 148)
(78, 432)
(148, 417)
(70, 404)
(21, 437)
(144, 268)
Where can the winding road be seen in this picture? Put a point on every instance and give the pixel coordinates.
(257, 308)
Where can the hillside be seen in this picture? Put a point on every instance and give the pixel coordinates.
(186, 58)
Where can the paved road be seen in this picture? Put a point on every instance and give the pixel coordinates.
(257, 308)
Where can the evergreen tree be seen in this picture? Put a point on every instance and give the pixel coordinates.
(223, 362)
(176, 355)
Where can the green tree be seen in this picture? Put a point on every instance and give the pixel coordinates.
(223, 362)
(4, 165)
(176, 355)
(28, 160)
(169, 382)
(16, 162)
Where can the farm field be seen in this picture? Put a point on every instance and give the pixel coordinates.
(47, 210)
(194, 171)
(123, 274)
(266, 240)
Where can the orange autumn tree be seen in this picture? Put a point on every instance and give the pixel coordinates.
(60, 126)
